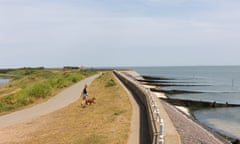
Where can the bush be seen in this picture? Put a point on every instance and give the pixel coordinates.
(24, 100)
(9, 99)
(40, 90)
(74, 77)
(110, 83)
(61, 83)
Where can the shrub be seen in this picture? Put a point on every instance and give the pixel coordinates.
(9, 99)
(61, 83)
(24, 100)
(39, 90)
(74, 77)
(110, 83)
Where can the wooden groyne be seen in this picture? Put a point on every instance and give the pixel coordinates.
(199, 104)
(192, 103)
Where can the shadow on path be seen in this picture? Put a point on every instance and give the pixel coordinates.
(144, 129)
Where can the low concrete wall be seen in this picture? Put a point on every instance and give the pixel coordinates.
(155, 112)
(130, 84)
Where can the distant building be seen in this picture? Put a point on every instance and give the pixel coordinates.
(73, 67)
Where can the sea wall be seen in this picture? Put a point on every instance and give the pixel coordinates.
(158, 133)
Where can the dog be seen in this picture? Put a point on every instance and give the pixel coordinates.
(90, 101)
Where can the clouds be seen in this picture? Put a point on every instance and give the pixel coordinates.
(94, 33)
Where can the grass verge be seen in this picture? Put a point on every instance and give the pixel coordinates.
(29, 86)
(106, 122)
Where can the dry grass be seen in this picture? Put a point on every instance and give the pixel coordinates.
(106, 122)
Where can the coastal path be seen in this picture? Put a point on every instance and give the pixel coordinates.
(64, 98)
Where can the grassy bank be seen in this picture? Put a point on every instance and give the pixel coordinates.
(29, 86)
(106, 122)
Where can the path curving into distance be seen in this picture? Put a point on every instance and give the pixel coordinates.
(64, 98)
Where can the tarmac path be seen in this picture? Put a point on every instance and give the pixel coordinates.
(64, 98)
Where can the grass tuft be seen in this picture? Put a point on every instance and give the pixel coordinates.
(110, 83)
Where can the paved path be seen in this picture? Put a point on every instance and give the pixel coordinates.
(64, 98)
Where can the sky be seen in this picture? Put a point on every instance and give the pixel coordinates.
(114, 33)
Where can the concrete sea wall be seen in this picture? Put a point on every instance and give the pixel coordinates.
(161, 129)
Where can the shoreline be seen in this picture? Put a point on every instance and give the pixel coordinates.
(188, 113)
(190, 130)
(185, 110)
(185, 106)
(4, 80)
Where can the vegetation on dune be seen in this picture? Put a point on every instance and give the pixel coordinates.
(29, 85)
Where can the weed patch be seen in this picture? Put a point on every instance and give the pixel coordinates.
(110, 83)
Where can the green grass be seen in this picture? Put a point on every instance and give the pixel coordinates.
(110, 83)
(105, 122)
(30, 85)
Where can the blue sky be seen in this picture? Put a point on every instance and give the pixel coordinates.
(54, 33)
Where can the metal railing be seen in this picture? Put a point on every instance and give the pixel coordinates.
(159, 120)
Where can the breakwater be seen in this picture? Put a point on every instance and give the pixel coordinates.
(199, 104)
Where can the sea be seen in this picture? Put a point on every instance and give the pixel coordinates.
(3, 81)
(205, 83)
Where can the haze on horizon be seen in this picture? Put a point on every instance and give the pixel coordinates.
(54, 33)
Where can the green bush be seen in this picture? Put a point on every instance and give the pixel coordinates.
(110, 83)
(24, 100)
(74, 77)
(39, 90)
(6, 107)
(61, 83)
(53, 82)
(9, 99)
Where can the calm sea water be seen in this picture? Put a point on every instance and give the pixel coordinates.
(3, 81)
(219, 83)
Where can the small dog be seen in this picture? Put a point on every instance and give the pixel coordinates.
(90, 101)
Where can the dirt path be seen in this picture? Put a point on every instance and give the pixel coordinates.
(61, 100)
